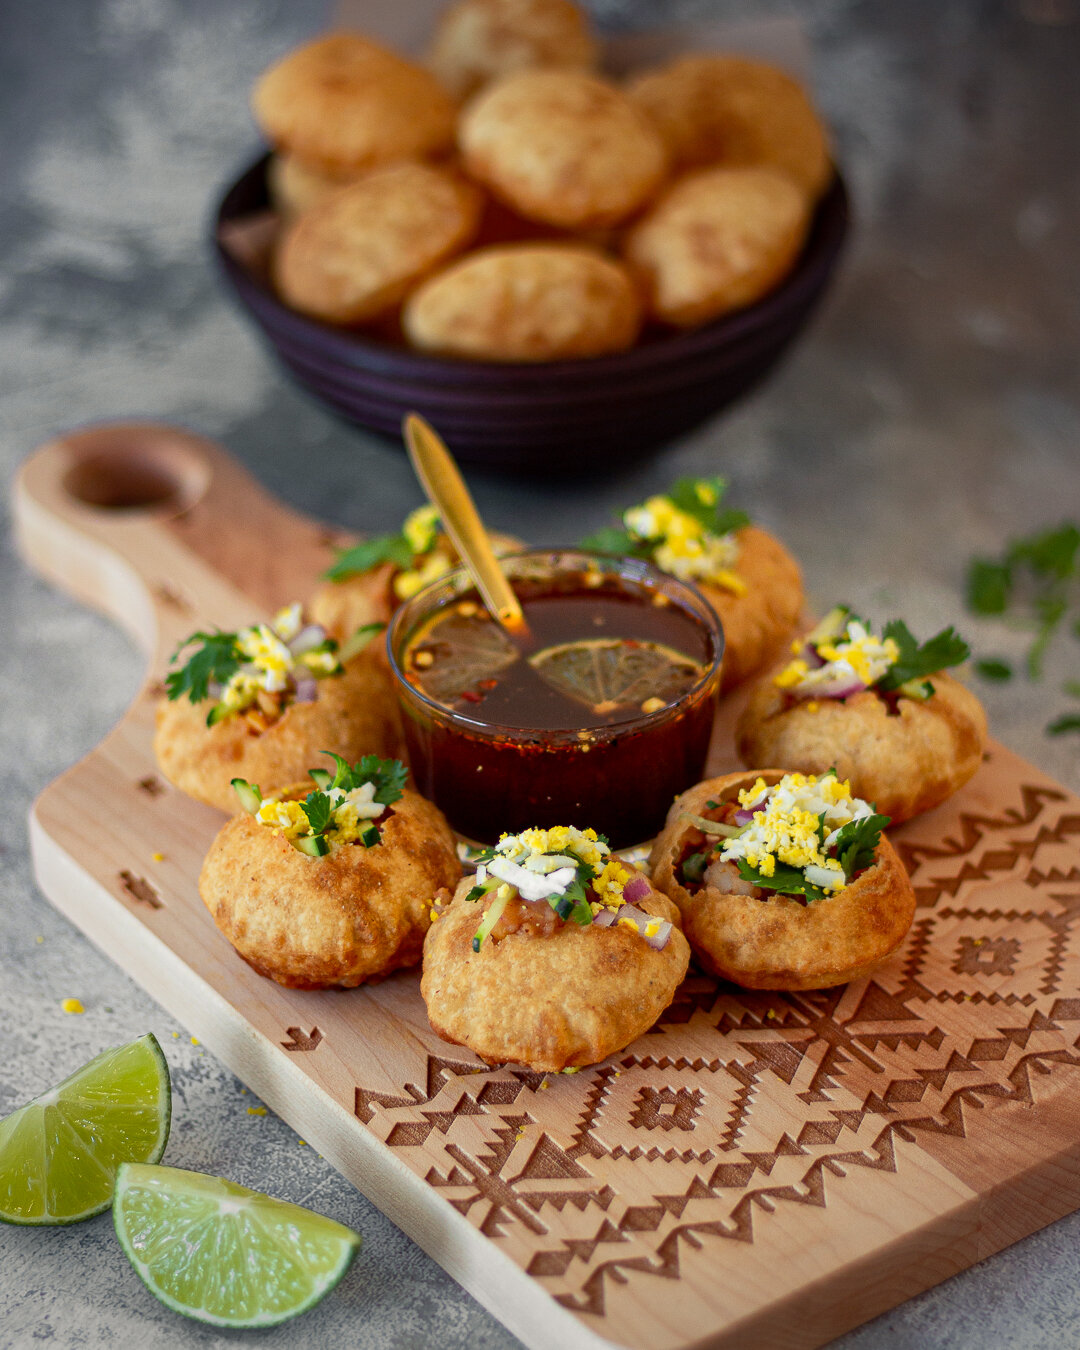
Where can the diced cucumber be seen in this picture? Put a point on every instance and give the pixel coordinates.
(314, 845)
(832, 625)
(355, 645)
(485, 888)
(492, 916)
(217, 713)
(322, 778)
(693, 869)
(920, 690)
(249, 795)
(369, 835)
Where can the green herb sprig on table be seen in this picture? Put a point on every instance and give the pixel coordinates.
(1033, 583)
(351, 562)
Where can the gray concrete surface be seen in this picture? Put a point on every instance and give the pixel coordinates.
(932, 412)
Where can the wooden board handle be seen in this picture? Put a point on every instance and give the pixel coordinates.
(152, 525)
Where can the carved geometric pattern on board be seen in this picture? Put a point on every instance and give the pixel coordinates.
(738, 1105)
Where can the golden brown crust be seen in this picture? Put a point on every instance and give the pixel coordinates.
(756, 625)
(355, 714)
(526, 302)
(551, 1002)
(779, 943)
(353, 916)
(343, 103)
(905, 762)
(352, 257)
(717, 240)
(479, 40)
(562, 147)
(731, 110)
(295, 187)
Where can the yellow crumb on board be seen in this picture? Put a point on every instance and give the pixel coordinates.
(194, 1040)
(158, 857)
(256, 1110)
(72, 1005)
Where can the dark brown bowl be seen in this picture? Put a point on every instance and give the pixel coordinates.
(590, 414)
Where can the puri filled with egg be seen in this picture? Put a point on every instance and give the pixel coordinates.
(764, 939)
(264, 702)
(529, 987)
(351, 916)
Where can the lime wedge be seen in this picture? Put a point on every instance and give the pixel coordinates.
(606, 674)
(59, 1153)
(222, 1254)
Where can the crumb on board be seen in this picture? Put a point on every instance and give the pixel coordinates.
(256, 1110)
(72, 1005)
(158, 857)
(194, 1040)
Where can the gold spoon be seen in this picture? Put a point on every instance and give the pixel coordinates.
(441, 479)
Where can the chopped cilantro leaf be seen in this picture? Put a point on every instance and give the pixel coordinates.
(350, 562)
(1049, 610)
(855, 844)
(787, 880)
(687, 495)
(616, 539)
(944, 649)
(388, 775)
(1065, 723)
(993, 669)
(318, 808)
(215, 660)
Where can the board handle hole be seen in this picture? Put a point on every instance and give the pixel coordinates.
(135, 469)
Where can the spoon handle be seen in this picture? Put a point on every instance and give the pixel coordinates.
(442, 481)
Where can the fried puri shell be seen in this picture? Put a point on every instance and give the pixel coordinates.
(343, 103)
(354, 714)
(526, 302)
(352, 257)
(561, 1000)
(479, 40)
(717, 240)
(731, 110)
(295, 187)
(757, 624)
(352, 916)
(906, 757)
(562, 147)
(779, 943)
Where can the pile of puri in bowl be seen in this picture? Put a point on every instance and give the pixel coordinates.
(543, 260)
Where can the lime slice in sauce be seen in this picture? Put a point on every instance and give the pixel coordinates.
(458, 652)
(612, 674)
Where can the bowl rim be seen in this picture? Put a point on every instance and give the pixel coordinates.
(354, 349)
(647, 574)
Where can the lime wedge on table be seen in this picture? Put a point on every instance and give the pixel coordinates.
(222, 1254)
(610, 673)
(59, 1153)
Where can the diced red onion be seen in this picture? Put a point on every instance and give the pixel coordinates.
(637, 888)
(812, 657)
(746, 814)
(307, 639)
(841, 687)
(640, 920)
(307, 689)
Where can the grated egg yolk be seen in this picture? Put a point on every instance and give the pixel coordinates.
(683, 546)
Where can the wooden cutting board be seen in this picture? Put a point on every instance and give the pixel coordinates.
(758, 1170)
